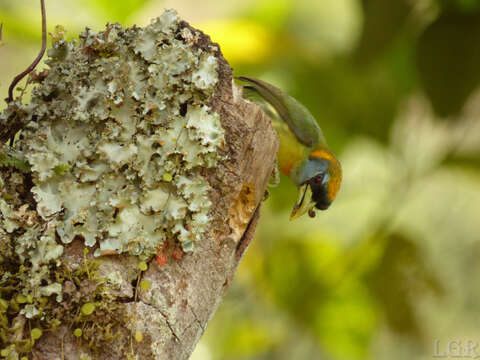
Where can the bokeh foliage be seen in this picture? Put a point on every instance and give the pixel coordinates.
(392, 266)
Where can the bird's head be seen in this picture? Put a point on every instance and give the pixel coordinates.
(318, 181)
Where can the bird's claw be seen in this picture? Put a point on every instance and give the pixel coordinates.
(275, 177)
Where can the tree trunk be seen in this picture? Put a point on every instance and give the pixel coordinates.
(130, 196)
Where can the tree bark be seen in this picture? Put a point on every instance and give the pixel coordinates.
(155, 313)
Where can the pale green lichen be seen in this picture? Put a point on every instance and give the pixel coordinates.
(9, 224)
(114, 159)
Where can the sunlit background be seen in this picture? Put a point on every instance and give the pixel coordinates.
(392, 269)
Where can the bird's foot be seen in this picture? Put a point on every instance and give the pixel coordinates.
(275, 177)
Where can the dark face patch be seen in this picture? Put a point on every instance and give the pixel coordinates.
(319, 192)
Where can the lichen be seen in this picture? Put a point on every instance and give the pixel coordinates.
(116, 155)
(117, 136)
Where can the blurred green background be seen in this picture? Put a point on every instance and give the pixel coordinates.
(391, 270)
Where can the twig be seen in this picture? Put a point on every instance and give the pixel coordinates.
(37, 59)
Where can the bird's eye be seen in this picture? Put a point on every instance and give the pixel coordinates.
(318, 179)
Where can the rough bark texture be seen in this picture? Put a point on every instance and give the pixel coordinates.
(184, 293)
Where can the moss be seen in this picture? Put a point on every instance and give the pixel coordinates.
(145, 285)
(142, 266)
(87, 309)
(138, 336)
(10, 161)
(36, 333)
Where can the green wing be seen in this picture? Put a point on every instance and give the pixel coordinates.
(299, 120)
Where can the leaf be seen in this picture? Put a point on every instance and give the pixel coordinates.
(142, 266)
(448, 60)
(62, 169)
(307, 280)
(36, 333)
(462, 5)
(9, 161)
(88, 308)
(383, 22)
(464, 160)
(399, 281)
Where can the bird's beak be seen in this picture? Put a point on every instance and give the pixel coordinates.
(304, 203)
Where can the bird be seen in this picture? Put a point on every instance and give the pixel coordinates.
(304, 155)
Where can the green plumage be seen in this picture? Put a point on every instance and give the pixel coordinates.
(303, 155)
(299, 120)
